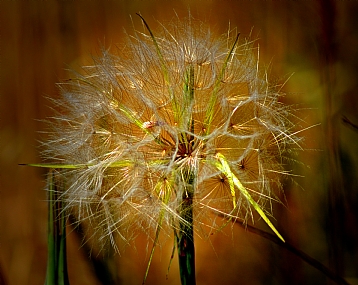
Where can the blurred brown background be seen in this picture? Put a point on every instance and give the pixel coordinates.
(315, 40)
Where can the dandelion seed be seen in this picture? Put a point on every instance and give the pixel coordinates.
(178, 124)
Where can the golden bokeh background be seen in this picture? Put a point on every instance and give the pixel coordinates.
(315, 43)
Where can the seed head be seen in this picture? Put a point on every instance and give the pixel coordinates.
(177, 114)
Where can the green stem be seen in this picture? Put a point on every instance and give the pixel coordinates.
(185, 238)
(56, 264)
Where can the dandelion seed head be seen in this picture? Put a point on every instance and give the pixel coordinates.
(149, 119)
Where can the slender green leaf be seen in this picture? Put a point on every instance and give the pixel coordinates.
(162, 191)
(56, 264)
(213, 98)
(224, 167)
(163, 67)
(51, 244)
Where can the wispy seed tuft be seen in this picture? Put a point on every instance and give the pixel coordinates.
(177, 114)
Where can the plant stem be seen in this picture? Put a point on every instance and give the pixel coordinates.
(185, 238)
(57, 260)
(305, 257)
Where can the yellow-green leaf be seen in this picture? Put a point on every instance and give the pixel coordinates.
(224, 167)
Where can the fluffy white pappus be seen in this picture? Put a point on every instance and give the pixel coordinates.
(178, 113)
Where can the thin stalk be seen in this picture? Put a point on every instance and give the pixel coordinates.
(186, 181)
(302, 255)
(185, 237)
